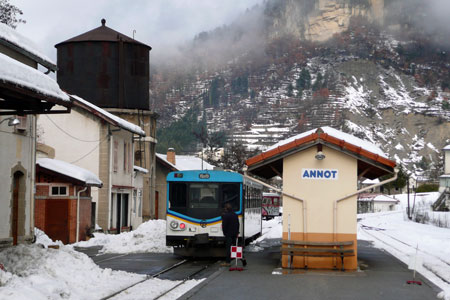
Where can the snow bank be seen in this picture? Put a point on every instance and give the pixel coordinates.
(272, 231)
(37, 273)
(148, 237)
(33, 272)
(44, 240)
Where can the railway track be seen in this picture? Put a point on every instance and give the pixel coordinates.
(187, 277)
(381, 231)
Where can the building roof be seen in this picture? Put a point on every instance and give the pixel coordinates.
(108, 117)
(26, 90)
(185, 163)
(140, 169)
(102, 34)
(371, 159)
(376, 198)
(14, 40)
(371, 181)
(71, 171)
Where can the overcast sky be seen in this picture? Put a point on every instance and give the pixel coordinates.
(158, 23)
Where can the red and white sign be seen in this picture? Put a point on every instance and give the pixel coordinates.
(236, 252)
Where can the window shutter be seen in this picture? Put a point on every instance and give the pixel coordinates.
(116, 156)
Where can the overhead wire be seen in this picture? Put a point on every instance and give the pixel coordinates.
(92, 150)
(74, 137)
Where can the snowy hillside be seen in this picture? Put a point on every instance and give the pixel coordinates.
(388, 88)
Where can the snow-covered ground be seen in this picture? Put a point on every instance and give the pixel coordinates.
(396, 234)
(37, 272)
(148, 237)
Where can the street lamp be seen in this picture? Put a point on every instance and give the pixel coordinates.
(12, 121)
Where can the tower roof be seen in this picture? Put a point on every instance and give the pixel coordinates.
(102, 34)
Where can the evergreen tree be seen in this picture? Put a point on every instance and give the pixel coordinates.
(399, 183)
(213, 99)
(180, 134)
(318, 83)
(304, 80)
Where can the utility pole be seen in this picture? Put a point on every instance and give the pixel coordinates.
(409, 212)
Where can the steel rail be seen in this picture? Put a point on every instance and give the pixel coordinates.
(402, 252)
(182, 282)
(147, 277)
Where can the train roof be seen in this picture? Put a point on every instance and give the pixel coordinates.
(205, 176)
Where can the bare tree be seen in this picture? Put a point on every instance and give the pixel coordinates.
(9, 14)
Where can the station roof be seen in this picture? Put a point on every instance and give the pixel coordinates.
(372, 161)
(12, 39)
(25, 90)
(102, 34)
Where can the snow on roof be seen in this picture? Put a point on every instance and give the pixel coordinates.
(12, 36)
(368, 146)
(376, 198)
(115, 119)
(19, 74)
(70, 170)
(140, 169)
(187, 162)
(371, 181)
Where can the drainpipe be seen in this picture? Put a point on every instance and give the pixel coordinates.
(356, 193)
(78, 213)
(284, 194)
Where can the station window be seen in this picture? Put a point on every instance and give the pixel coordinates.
(59, 190)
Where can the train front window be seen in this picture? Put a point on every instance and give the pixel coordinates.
(203, 200)
(203, 195)
(178, 195)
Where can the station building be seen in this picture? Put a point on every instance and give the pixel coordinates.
(320, 171)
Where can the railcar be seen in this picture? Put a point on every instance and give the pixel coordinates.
(271, 204)
(195, 204)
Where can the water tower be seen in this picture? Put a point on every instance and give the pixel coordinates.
(111, 70)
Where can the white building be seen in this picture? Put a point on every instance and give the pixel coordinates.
(24, 92)
(102, 143)
(368, 203)
(444, 179)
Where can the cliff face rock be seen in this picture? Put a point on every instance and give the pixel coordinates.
(318, 20)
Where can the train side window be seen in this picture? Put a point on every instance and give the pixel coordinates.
(178, 195)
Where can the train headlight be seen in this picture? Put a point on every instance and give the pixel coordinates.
(182, 226)
(174, 224)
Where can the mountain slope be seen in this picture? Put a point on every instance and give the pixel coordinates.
(368, 78)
